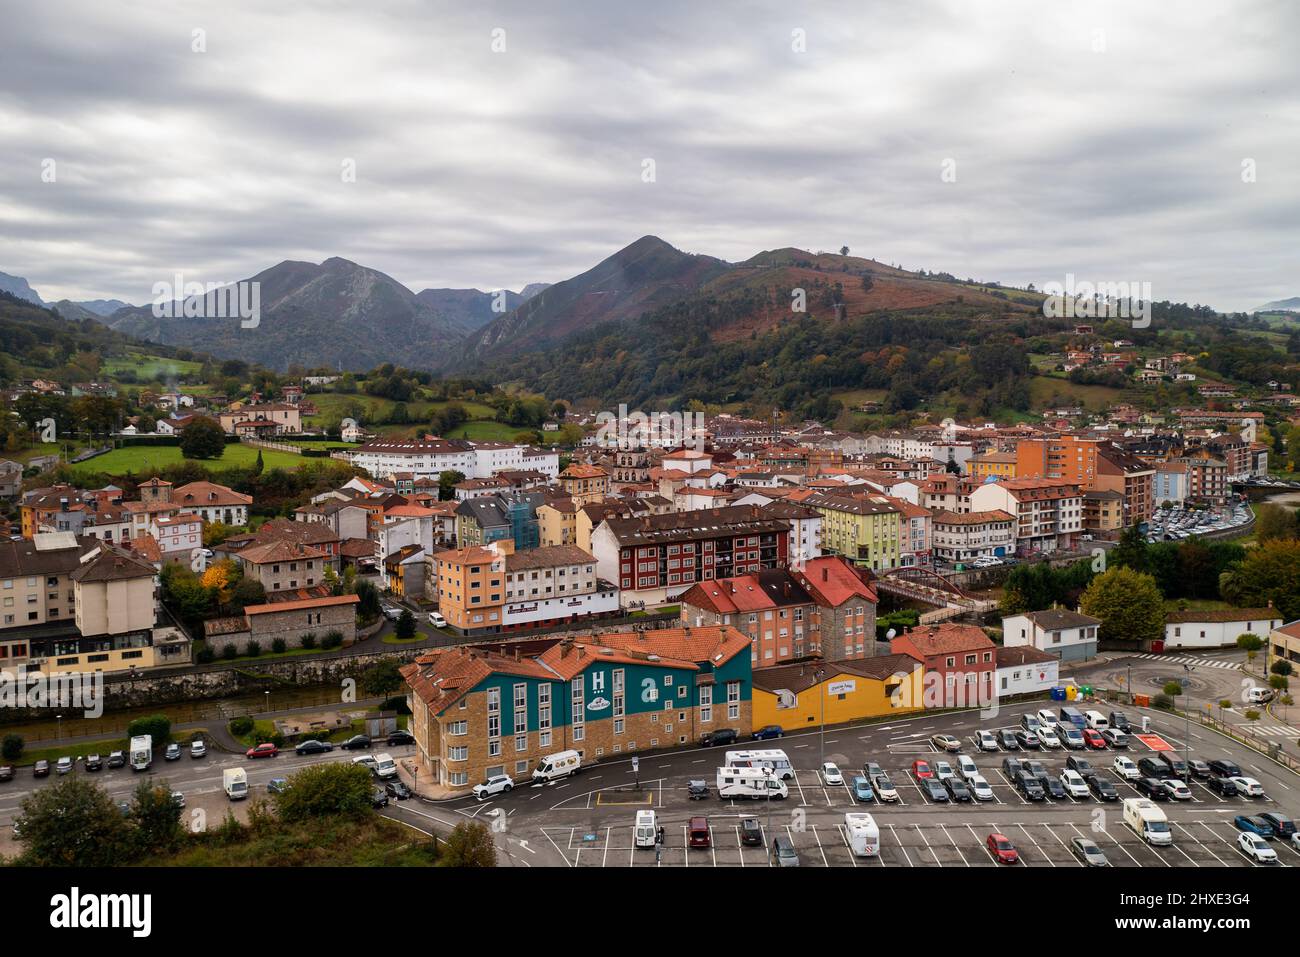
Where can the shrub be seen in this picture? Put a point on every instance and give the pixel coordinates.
(279, 646)
(1162, 701)
(158, 726)
(333, 639)
(241, 726)
(252, 649)
(309, 640)
(12, 747)
(230, 652)
(205, 656)
(1281, 667)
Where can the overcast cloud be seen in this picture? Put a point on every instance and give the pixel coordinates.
(1102, 139)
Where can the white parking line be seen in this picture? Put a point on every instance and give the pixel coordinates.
(953, 841)
(901, 846)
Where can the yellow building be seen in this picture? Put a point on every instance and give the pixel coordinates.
(585, 483)
(997, 464)
(794, 696)
(864, 529)
(557, 522)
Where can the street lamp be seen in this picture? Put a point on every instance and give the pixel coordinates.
(820, 675)
(1187, 728)
(767, 779)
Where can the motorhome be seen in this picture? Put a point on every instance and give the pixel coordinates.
(645, 829)
(234, 781)
(141, 752)
(864, 834)
(750, 783)
(771, 758)
(556, 766)
(1148, 821)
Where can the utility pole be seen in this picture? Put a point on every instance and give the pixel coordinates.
(1187, 728)
(820, 675)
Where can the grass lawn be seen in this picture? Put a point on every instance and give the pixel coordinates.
(142, 458)
(1195, 604)
(148, 368)
(1093, 397)
(486, 431)
(367, 841)
(26, 455)
(394, 640)
(333, 406)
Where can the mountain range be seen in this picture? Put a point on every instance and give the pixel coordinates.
(1281, 305)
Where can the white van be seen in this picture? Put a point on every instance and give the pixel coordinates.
(864, 835)
(556, 766)
(234, 781)
(751, 783)
(773, 758)
(966, 765)
(385, 766)
(1258, 695)
(1096, 720)
(1148, 821)
(645, 829)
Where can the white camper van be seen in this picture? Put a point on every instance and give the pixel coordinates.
(751, 783)
(141, 752)
(773, 758)
(1148, 821)
(234, 781)
(864, 835)
(645, 829)
(556, 766)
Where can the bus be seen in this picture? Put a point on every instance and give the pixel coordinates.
(772, 758)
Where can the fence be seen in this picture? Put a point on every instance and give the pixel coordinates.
(1247, 737)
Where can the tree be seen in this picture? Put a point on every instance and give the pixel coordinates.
(1172, 688)
(470, 844)
(322, 790)
(1274, 522)
(73, 823)
(1128, 603)
(1269, 573)
(1248, 642)
(259, 464)
(203, 438)
(1130, 551)
(382, 678)
(1282, 667)
(447, 483)
(844, 250)
(157, 726)
(405, 627)
(156, 816)
(12, 748)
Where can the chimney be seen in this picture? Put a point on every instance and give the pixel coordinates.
(581, 649)
(826, 574)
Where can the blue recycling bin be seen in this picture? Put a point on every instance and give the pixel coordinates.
(1058, 693)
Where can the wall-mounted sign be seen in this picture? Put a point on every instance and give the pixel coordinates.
(842, 687)
(598, 704)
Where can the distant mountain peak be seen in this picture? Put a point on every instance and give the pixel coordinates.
(1281, 305)
(17, 286)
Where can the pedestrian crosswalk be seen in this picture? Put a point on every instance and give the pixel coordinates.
(1273, 732)
(1195, 662)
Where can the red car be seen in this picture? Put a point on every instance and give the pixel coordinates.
(1001, 848)
(922, 769)
(262, 751)
(1093, 739)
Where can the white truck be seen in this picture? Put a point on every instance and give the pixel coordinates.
(1148, 821)
(234, 781)
(385, 766)
(556, 766)
(141, 752)
(864, 834)
(751, 783)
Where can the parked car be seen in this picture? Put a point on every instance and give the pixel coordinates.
(986, 741)
(921, 770)
(1255, 825)
(277, 785)
(1125, 768)
(1115, 738)
(1074, 784)
(1222, 786)
(1177, 789)
(1081, 765)
(1047, 737)
(173, 752)
(64, 764)
(1028, 785)
(1248, 787)
(94, 762)
(884, 787)
(862, 789)
(1027, 739)
(697, 833)
(1151, 768)
(264, 750)
(396, 789)
(831, 774)
(1007, 738)
(1071, 737)
(399, 737)
(198, 749)
(1003, 851)
(379, 798)
(1053, 786)
(392, 612)
(958, 790)
(1011, 767)
(967, 767)
(1224, 769)
(41, 769)
(943, 770)
(946, 742)
(1047, 718)
(934, 790)
(6, 772)
(356, 742)
(769, 731)
(711, 739)
(437, 620)
(1152, 788)
(313, 747)
(1282, 825)
(1093, 739)
(1102, 789)
(1254, 847)
(178, 799)
(117, 759)
(697, 790)
(1088, 852)
(784, 852)
(751, 832)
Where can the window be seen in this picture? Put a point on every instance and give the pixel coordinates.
(458, 753)
(733, 700)
(706, 703)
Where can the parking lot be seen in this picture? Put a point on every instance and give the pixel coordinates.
(588, 820)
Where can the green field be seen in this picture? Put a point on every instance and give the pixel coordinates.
(1092, 397)
(137, 459)
(333, 406)
(485, 432)
(148, 368)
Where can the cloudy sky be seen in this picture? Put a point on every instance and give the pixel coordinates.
(1115, 141)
